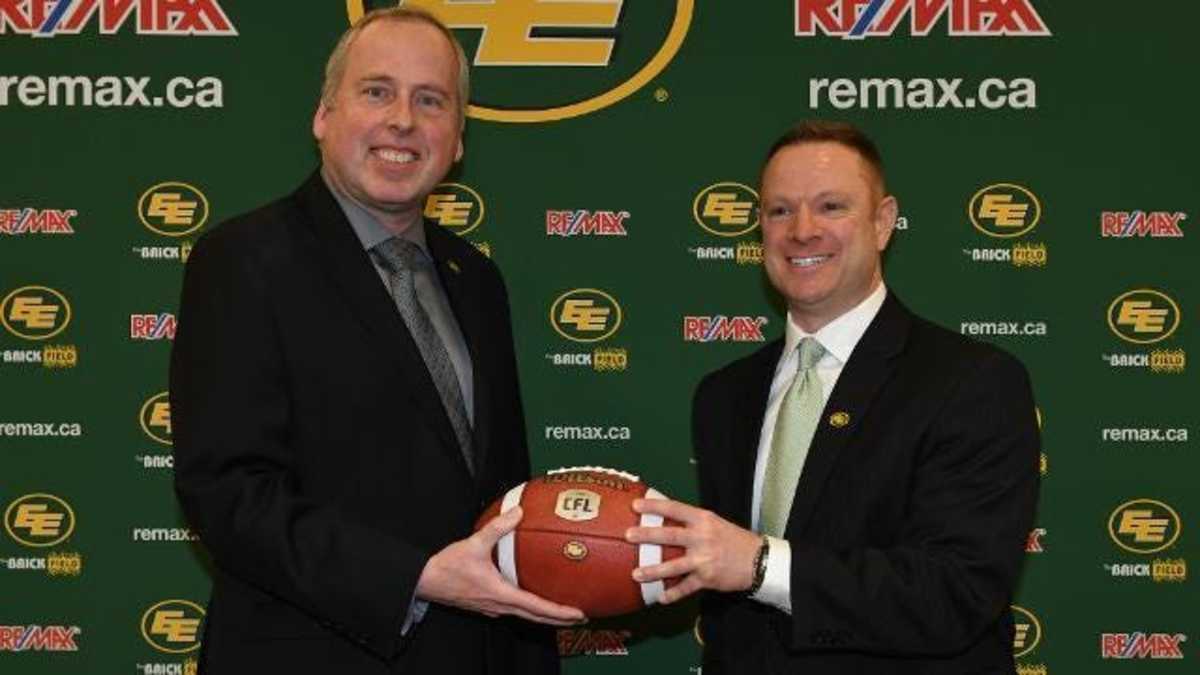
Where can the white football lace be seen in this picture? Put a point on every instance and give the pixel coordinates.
(601, 469)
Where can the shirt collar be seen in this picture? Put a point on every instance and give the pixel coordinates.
(839, 336)
(367, 227)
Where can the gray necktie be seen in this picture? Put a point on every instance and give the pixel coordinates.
(401, 258)
(794, 427)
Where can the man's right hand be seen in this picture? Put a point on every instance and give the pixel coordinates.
(463, 575)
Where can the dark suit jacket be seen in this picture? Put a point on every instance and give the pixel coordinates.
(314, 457)
(909, 522)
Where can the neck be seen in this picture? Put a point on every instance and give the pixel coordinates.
(813, 319)
(396, 222)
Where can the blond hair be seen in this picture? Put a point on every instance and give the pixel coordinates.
(335, 67)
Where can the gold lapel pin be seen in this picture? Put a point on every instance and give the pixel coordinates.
(453, 266)
(839, 419)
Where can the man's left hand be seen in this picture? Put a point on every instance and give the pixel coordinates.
(719, 555)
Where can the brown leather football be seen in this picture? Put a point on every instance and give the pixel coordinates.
(570, 544)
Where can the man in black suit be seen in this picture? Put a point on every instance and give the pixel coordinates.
(868, 481)
(345, 400)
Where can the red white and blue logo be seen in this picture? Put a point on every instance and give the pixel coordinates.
(858, 19)
(48, 18)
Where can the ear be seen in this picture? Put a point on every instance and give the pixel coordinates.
(318, 123)
(885, 221)
(458, 154)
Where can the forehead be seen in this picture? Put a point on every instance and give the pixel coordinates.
(817, 166)
(407, 49)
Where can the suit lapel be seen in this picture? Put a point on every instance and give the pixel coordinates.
(350, 269)
(869, 367)
(453, 273)
(751, 407)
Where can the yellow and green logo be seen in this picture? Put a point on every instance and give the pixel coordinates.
(1144, 526)
(173, 626)
(1004, 210)
(39, 520)
(726, 209)
(173, 209)
(456, 207)
(585, 315)
(35, 312)
(1143, 316)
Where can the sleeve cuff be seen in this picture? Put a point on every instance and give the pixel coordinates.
(776, 589)
(416, 612)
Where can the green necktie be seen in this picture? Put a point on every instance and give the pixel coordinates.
(794, 428)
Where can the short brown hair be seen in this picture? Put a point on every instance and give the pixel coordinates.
(335, 67)
(842, 133)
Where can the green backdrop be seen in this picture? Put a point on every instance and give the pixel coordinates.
(1043, 154)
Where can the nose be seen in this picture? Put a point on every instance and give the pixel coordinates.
(802, 226)
(400, 114)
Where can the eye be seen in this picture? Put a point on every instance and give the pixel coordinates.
(375, 92)
(833, 206)
(777, 211)
(431, 101)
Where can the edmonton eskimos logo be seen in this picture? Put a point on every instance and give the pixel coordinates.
(1144, 526)
(1027, 631)
(520, 49)
(35, 312)
(585, 315)
(456, 207)
(173, 626)
(1004, 210)
(39, 520)
(173, 209)
(1143, 316)
(726, 209)
(155, 418)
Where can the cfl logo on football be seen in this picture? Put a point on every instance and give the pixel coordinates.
(155, 418)
(456, 207)
(726, 209)
(173, 209)
(35, 312)
(577, 505)
(1004, 210)
(1144, 526)
(39, 520)
(585, 315)
(1028, 631)
(1143, 316)
(173, 626)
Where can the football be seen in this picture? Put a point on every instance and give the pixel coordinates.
(570, 544)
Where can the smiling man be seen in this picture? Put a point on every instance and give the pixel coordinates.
(869, 480)
(345, 401)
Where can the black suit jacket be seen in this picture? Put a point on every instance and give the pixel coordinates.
(909, 522)
(314, 457)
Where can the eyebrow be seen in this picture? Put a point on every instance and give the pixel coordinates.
(388, 79)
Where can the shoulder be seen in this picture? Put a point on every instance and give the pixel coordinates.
(450, 246)
(934, 348)
(745, 373)
(268, 223)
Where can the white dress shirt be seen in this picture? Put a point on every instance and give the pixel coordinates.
(838, 337)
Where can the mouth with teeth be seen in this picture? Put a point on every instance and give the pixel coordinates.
(396, 156)
(807, 261)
